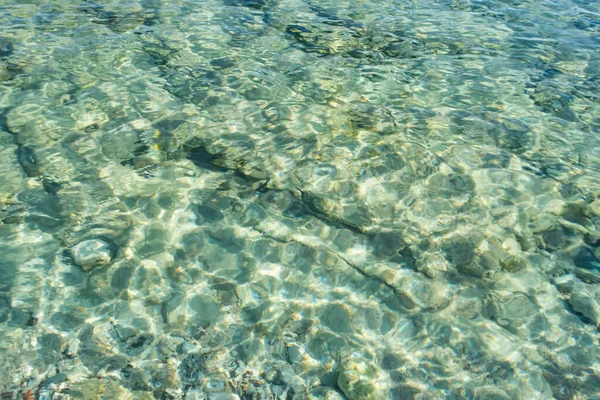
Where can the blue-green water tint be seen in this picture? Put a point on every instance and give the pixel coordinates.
(266, 199)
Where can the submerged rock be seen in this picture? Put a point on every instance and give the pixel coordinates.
(586, 305)
(490, 392)
(103, 388)
(551, 98)
(338, 318)
(28, 161)
(255, 4)
(6, 48)
(358, 381)
(89, 254)
(424, 293)
(515, 312)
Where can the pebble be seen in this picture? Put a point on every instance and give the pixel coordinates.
(92, 253)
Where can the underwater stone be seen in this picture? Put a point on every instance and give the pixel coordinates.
(513, 263)
(337, 318)
(130, 340)
(250, 350)
(28, 161)
(6, 48)
(405, 392)
(586, 305)
(45, 212)
(92, 253)
(432, 265)
(552, 100)
(333, 395)
(294, 353)
(222, 396)
(556, 238)
(427, 294)
(203, 159)
(357, 53)
(154, 243)
(354, 216)
(489, 393)
(391, 361)
(11, 178)
(459, 251)
(223, 63)
(514, 136)
(194, 394)
(192, 368)
(357, 381)
(166, 201)
(527, 243)
(208, 214)
(398, 49)
(569, 191)
(566, 283)
(451, 185)
(512, 311)
(485, 263)
(584, 258)
(135, 379)
(121, 277)
(51, 347)
(594, 207)
(387, 244)
(110, 389)
(50, 186)
(207, 310)
(255, 4)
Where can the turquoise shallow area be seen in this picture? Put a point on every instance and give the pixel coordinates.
(299, 199)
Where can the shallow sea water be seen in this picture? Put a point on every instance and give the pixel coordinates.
(300, 199)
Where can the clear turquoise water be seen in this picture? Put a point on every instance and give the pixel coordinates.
(262, 199)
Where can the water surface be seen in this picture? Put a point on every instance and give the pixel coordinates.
(285, 199)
